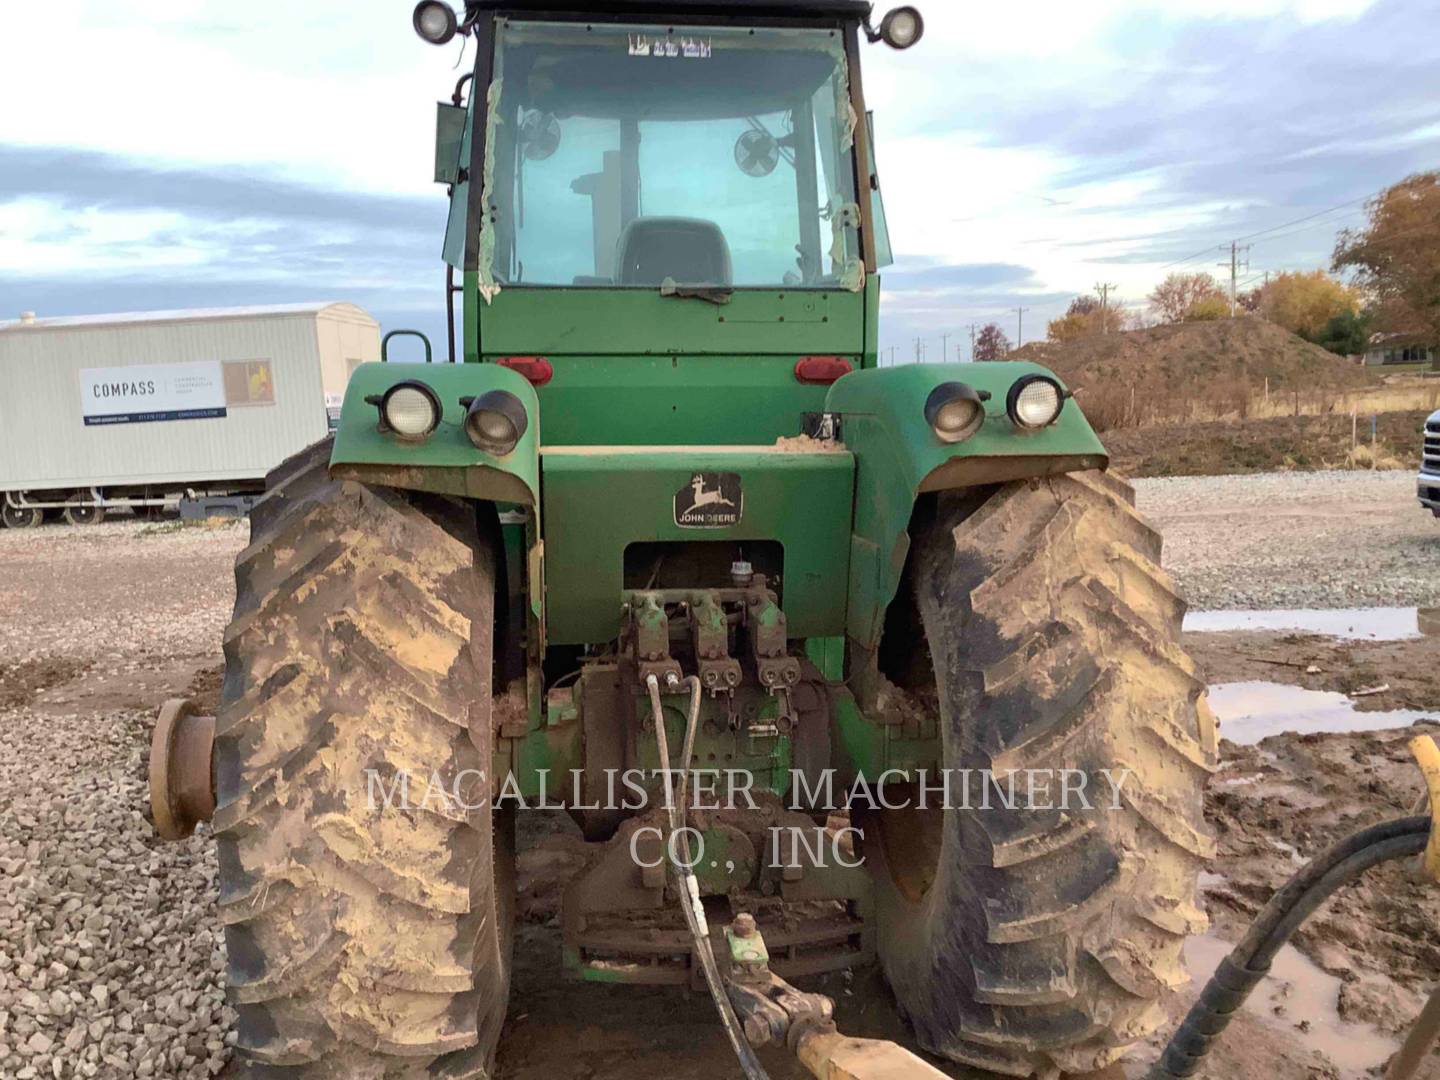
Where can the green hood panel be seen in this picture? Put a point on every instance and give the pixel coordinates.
(595, 322)
(599, 500)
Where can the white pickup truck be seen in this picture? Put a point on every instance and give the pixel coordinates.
(1429, 479)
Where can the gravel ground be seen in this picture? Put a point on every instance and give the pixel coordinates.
(110, 952)
(1297, 540)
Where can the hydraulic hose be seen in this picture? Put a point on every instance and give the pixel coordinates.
(690, 888)
(1249, 962)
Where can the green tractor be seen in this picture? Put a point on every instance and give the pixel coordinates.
(664, 513)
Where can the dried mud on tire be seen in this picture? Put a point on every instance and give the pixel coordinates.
(1047, 938)
(365, 940)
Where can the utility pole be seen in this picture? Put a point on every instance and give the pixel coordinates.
(944, 348)
(1103, 288)
(919, 350)
(973, 327)
(1020, 326)
(1234, 264)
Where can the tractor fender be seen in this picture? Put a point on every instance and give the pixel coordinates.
(899, 457)
(445, 462)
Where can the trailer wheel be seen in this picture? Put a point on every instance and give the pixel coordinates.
(80, 511)
(366, 885)
(1024, 940)
(21, 517)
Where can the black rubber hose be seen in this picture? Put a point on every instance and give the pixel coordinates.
(1249, 962)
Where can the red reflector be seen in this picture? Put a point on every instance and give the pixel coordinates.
(536, 369)
(822, 369)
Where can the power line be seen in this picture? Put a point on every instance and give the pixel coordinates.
(1307, 217)
(1190, 258)
(1274, 228)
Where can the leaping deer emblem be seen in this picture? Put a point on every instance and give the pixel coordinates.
(707, 498)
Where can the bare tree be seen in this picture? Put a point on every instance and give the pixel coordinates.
(991, 343)
(1174, 297)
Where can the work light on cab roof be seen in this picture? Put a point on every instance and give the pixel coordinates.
(435, 22)
(901, 28)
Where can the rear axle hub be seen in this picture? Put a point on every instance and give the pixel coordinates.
(182, 779)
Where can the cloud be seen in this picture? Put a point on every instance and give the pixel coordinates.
(87, 233)
(980, 277)
(155, 158)
(85, 178)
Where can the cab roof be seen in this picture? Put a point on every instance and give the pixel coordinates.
(743, 9)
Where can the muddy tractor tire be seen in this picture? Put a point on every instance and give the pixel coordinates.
(368, 927)
(1023, 940)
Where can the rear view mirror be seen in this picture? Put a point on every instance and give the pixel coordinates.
(449, 136)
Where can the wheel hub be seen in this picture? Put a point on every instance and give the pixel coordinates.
(182, 779)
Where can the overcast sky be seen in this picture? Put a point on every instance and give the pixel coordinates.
(198, 152)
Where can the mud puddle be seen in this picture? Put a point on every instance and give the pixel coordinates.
(1349, 624)
(1299, 998)
(1251, 711)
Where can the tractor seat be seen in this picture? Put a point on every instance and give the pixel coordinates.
(688, 251)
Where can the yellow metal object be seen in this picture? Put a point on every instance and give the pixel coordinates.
(1427, 756)
(832, 1056)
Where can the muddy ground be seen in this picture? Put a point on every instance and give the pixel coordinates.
(110, 958)
(1382, 675)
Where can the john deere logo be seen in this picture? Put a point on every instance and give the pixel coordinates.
(709, 501)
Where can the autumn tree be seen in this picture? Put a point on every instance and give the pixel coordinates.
(991, 343)
(1396, 257)
(1174, 297)
(1208, 309)
(1304, 303)
(1086, 317)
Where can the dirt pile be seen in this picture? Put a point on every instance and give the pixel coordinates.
(1192, 370)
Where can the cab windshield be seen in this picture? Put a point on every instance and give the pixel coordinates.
(648, 156)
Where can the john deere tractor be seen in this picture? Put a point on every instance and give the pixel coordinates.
(664, 545)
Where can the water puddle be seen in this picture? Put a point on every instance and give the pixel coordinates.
(1297, 990)
(1251, 711)
(1352, 624)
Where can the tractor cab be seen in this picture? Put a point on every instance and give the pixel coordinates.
(685, 178)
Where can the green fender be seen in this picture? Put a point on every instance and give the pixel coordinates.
(445, 463)
(899, 457)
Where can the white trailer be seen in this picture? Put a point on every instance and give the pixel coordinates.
(167, 409)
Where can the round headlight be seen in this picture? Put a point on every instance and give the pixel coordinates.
(434, 21)
(902, 28)
(954, 411)
(1035, 401)
(495, 422)
(410, 410)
